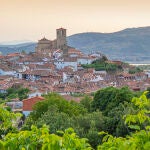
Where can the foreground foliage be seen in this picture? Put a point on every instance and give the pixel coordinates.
(7, 121)
(36, 139)
(139, 139)
(85, 124)
(87, 118)
(60, 114)
(40, 139)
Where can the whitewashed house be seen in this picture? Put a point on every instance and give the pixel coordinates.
(72, 62)
(85, 60)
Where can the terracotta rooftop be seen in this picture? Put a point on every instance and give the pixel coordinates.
(30, 102)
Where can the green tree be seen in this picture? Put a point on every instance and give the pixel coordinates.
(135, 70)
(108, 98)
(88, 126)
(86, 102)
(60, 114)
(22, 93)
(7, 121)
(114, 103)
(55, 120)
(41, 139)
(53, 100)
(16, 92)
(139, 122)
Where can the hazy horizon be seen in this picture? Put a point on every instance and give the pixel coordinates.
(34, 19)
(22, 41)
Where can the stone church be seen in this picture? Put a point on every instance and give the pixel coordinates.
(47, 46)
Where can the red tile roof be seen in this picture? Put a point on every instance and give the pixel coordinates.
(74, 51)
(13, 54)
(30, 102)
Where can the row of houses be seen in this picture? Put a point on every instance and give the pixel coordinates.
(43, 73)
(26, 106)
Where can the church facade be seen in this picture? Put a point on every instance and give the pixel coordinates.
(47, 46)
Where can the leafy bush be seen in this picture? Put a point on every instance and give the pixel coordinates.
(139, 122)
(7, 121)
(40, 139)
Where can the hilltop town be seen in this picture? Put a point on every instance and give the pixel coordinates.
(56, 67)
(83, 87)
(60, 86)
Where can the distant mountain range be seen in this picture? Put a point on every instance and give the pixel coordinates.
(28, 47)
(132, 44)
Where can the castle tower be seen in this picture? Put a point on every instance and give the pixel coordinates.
(61, 41)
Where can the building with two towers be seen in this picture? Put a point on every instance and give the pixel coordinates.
(47, 46)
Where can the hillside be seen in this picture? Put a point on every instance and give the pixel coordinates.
(131, 45)
(28, 47)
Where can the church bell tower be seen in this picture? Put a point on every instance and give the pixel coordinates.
(61, 41)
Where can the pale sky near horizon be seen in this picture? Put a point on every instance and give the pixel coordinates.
(33, 19)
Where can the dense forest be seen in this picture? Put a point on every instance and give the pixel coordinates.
(112, 119)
